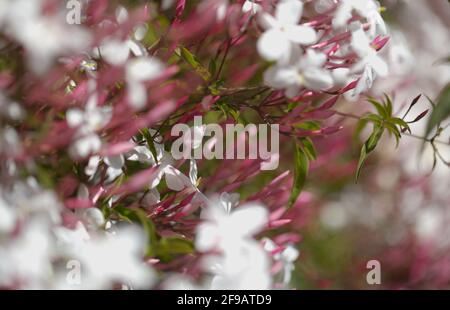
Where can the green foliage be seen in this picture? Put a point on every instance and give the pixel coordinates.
(383, 120)
(301, 167)
(441, 110)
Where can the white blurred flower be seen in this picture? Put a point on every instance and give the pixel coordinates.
(27, 257)
(241, 262)
(368, 9)
(138, 71)
(87, 122)
(223, 231)
(44, 36)
(110, 258)
(283, 31)
(287, 257)
(306, 72)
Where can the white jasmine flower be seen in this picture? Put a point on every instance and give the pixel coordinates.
(224, 231)
(8, 217)
(370, 64)
(138, 71)
(44, 36)
(307, 72)
(283, 31)
(106, 259)
(287, 256)
(368, 9)
(87, 122)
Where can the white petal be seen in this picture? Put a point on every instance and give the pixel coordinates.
(115, 161)
(301, 34)
(156, 179)
(273, 45)
(175, 179)
(379, 65)
(267, 21)
(74, 117)
(140, 31)
(249, 219)
(115, 52)
(289, 11)
(360, 43)
(121, 15)
(317, 79)
(143, 69)
(137, 95)
(280, 77)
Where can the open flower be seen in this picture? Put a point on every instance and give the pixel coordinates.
(368, 9)
(138, 71)
(87, 122)
(307, 72)
(283, 31)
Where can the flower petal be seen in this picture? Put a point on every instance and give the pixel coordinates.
(273, 45)
(289, 11)
(301, 34)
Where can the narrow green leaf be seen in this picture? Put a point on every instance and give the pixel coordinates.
(300, 172)
(381, 109)
(441, 111)
(368, 147)
(362, 159)
(308, 147)
(388, 105)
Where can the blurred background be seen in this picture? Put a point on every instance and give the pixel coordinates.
(399, 211)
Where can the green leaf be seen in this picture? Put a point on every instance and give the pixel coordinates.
(170, 246)
(192, 60)
(381, 108)
(388, 105)
(308, 147)
(362, 159)
(441, 111)
(300, 172)
(373, 118)
(150, 142)
(368, 147)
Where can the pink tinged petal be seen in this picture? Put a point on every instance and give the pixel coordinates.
(136, 183)
(118, 148)
(175, 179)
(78, 203)
(301, 34)
(156, 178)
(289, 11)
(273, 45)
